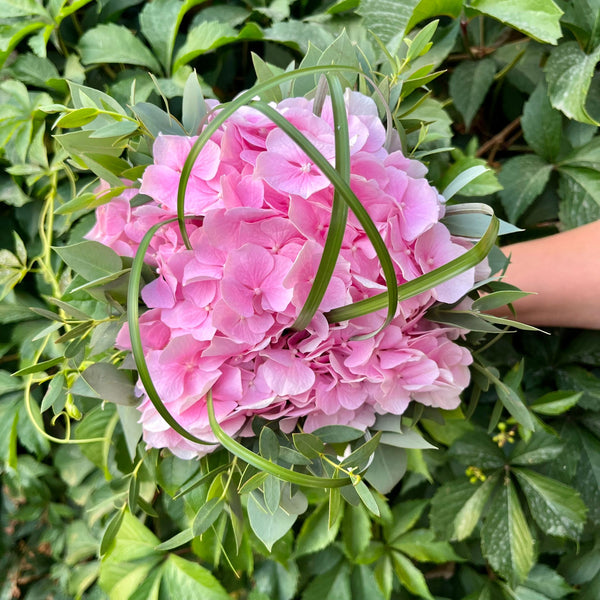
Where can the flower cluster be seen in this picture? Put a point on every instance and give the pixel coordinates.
(219, 315)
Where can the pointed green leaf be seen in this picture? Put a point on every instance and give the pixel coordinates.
(111, 43)
(542, 124)
(523, 178)
(421, 545)
(506, 541)
(91, 260)
(556, 507)
(356, 530)
(184, 579)
(469, 84)
(315, 533)
(410, 576)
(540, 448)
(268, 527)
(539, 19)
(569, 73)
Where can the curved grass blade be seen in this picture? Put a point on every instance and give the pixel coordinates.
(339, 209)
(469, 259)
(225, 111)
(353, 202)
(137, 349)
(266, 465)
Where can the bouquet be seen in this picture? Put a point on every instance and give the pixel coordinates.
(289, 292)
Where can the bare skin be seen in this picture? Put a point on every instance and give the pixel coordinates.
(564, 272)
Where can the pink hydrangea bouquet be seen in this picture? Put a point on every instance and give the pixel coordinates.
(271, 299)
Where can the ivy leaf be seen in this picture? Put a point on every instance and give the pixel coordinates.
(469, 84)
(556, 507)
(111, 43)
(506, 541)
(542, 124)
(569, 73)
(539, 19)
(523, 178)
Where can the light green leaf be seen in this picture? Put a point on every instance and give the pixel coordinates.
(111, 43)
(356, 530)
(523, 178)
(539, 19)
(587, 179)
(569, 73)
(159, 21)
(426, 9)
(555, 403)
(91, 260)
(268, 527)
(556, 507)
(133, 541)
(315, 533)
(484, 183)
(542, 124)
(110, 383)
(421, 545)
(184, 579)
(506, 541)
(387, 468)
(300, 34)
(22, 8)
(469, 84)
(410, 577)
(387, 19)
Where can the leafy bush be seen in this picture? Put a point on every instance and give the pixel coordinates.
(507, 506)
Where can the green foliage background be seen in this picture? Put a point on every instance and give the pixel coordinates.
(507, 507)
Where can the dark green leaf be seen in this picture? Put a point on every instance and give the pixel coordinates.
(477, 449)
(523, 178)
(581, 380)
(506, 541)
(111, 531)
(541, 447)
(276, 581)
(410, 577)
(315, 533)
(331, 585)
(457, 507)
(469, 84)
(334, 434)
(556, 507)
(542, 124)
(112, 43)
(405, 516)
(110, 383)
(569, 73)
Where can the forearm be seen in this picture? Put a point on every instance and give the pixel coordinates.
(563, 271)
